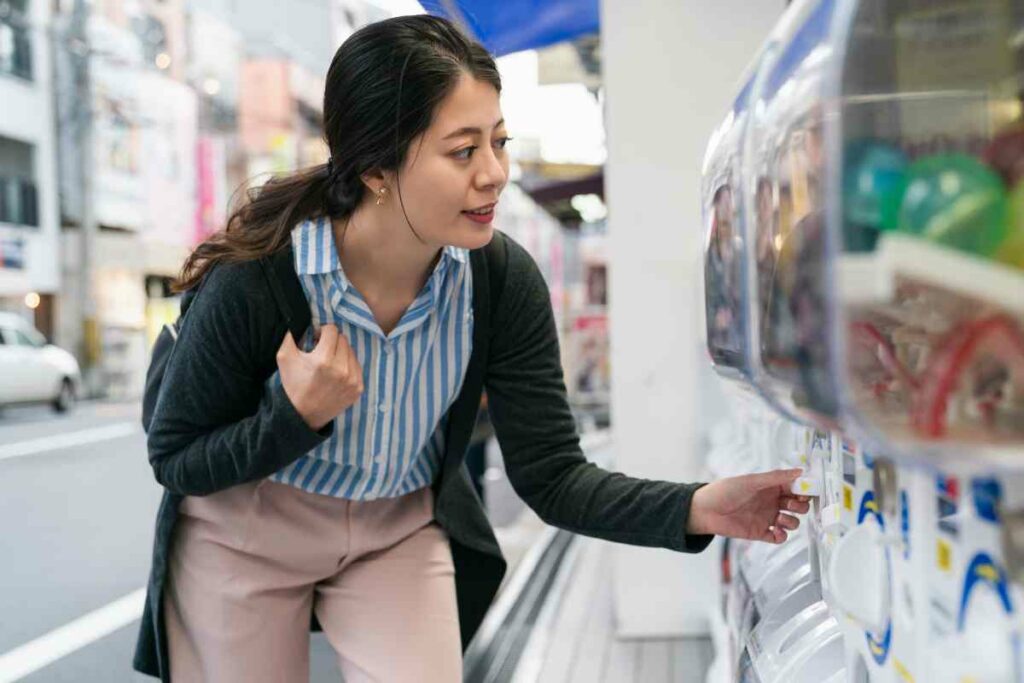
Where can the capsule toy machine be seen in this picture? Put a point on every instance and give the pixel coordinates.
(737, 446)
(726, 328)
(929, 288)
(791, 358)
(781, 627)
(881, 182)
(886, 311)
(754, 576)
(732, 451)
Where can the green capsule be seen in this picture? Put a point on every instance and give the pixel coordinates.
(956, 200)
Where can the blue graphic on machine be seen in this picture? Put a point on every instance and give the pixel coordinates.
(905, 523)
(948, 504)
(983, 572)
(986, 492)
(878, 646)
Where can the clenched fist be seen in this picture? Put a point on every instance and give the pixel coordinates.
(323, 383)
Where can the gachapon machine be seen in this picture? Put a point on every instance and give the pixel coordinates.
(784, 197)
(882, 235)
(884, 219)
(927, 248)
(752, 577)
(929, 228)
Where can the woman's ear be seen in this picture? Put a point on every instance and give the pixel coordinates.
(374, 180)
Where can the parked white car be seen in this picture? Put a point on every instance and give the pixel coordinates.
(32, 370)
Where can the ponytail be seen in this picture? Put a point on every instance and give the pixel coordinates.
(263, 225)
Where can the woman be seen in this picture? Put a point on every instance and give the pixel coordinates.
(323, 481)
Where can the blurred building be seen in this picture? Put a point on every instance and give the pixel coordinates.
(559, 167)
(166, 109)
(281, 83)
(128, 140)
(349, 15)
(280, 116)
(29, 224)
(216, 53)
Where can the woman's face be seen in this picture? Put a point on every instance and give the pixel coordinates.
(458, 165)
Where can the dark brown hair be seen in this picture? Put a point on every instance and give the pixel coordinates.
(382, 89)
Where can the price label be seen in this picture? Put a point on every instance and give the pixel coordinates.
(944, 556)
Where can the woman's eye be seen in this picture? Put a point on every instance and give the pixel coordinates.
(466, 153)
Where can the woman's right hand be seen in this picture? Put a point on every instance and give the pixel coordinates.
(323, 383)
(759, 507)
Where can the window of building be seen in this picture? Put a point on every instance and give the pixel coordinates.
(19, 200)
(153, 36)
(15, 40)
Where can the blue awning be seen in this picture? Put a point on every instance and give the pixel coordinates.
(505, 26)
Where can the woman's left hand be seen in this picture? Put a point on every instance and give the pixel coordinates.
(752, 506)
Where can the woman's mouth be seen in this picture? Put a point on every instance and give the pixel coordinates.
(483, 215)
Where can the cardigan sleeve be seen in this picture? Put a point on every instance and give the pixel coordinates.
(538, 437)
(215, 425)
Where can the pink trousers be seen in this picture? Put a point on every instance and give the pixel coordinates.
(249, 564)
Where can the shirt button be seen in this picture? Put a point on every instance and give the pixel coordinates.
(383, 407)
(378, 458)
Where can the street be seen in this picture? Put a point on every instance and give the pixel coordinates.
(77, 507)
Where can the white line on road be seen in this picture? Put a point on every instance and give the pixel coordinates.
(80, 438)
(62, 641)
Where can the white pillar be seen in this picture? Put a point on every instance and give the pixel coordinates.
(671, 69)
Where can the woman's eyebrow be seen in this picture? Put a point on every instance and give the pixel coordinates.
(469, 130)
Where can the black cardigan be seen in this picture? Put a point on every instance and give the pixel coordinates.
(215, 427)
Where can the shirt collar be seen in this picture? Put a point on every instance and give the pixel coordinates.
(450, 256)
(316, 254)
(457, 253)
(313, 242)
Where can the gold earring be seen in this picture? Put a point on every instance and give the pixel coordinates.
(380, 195)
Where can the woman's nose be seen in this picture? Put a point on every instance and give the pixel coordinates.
(492, 172)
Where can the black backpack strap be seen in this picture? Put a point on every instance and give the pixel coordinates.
(186, 300)
(189, 296)
(279, 269)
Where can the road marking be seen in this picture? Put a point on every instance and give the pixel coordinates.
(61, 642)
(60, 441)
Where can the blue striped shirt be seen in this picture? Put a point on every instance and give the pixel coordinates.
(390, 442)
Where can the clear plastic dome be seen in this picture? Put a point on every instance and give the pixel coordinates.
(880, 206)
(784, 193)
(725, 277)
(930, 258)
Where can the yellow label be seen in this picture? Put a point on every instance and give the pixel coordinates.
(902, 671)
(988, 572)
(848, 498)
(805, 486)
(944, 556)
